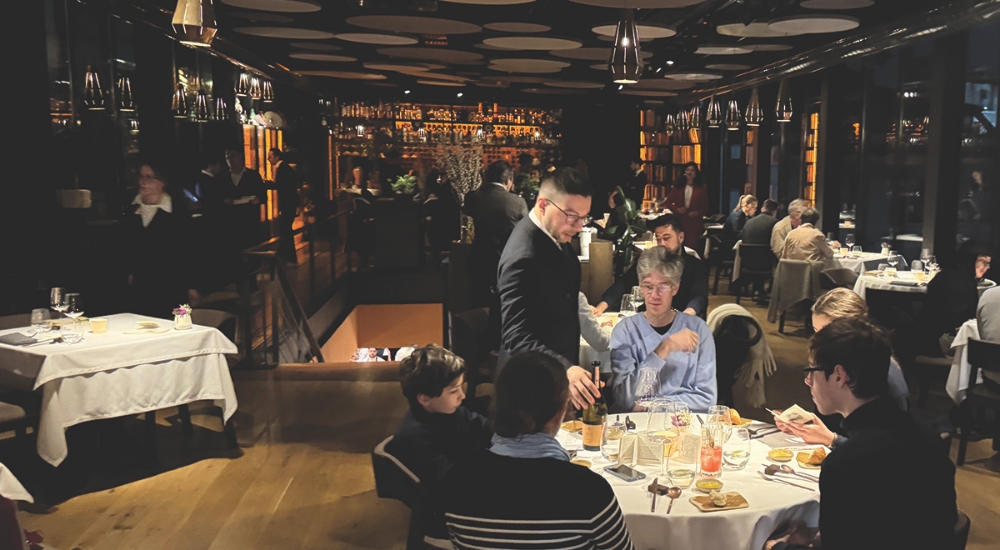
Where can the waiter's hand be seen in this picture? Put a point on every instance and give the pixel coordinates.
(582, 390)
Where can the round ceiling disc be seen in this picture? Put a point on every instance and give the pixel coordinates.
(520, 65)
(490, 2)
(727, 67)
(372, 38)
(592, 54)
(639, 4)
(646, 32)
(413, 25)
(516, 78)
(532, 43)
(285, 6)
(718, 49)
(517, 27)
(553, 91)
(579, 84)
(836, 4)
(753, 30)
(439, 55)
(814, 24)
(312, 56)
(647, 93)
(352, 75)
(441, 83)
(285, 32)
(259, 17)
(316, 46)
(694, 76)
(663, 84)
(766, 47)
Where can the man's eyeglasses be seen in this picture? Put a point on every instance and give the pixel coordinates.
(573, 219)
(807, 372)
(659, 289)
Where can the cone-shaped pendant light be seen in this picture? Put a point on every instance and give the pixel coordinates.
(713, 113)
(266, 92)
(243, 87)
(126, 103)
(93, 94)
(625, 61)
(221, 109)
(201, 106)
(733, 115)
(179, 104)
(783, 110)
(754, 115)
(194, 22)
(669, 124)
(683, 121)
(696, 115)
(255, 90)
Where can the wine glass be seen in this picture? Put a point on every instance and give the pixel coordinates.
(74, 310)
(646, 390)
(893, 259)
(39, 324)
(57, 299)
(628, 308)
(925, 255)
(849, 241)
(637, 298)
(856, 251)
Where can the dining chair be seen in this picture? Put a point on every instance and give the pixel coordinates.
(13, 418)
(961, 531)
(721, 258)
(985, 357)
(756, 268)
(469, 340)
(837, 277)
(394, 480)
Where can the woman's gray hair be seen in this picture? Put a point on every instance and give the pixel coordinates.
(660, 260)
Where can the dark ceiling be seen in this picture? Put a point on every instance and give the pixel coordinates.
(464, 58)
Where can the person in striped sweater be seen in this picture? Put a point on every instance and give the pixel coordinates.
(524, 492)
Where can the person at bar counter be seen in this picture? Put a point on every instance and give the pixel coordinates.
(287, 184)
(732, 230)
(524, 492)
(887, 452)
(539, 280)
(842, 303)
(689, 199)
(495, 211)
(437, 431)
(786, 225)
(805, 242)
(678, 346)
(635, 184)
(693, 292)
(159, 270)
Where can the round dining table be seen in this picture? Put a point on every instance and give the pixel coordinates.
(904, 281)
(771, 504)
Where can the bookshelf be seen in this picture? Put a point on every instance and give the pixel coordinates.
(810, 145)
(664, 154)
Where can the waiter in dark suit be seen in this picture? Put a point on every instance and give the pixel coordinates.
(287, 184)
(241, 191)
(635, 187)
(539, 280)
(495, 211)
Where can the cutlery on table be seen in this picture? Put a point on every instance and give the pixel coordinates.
(673, 493)
(56, 340)
(772, 469)
(778, 480)
(655, 494)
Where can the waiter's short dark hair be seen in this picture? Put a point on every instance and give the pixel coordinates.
(429, 370)
(809, 215)
(499, 172)
(860, 348)
(566, 181)
(769, 206)
(277, 152)
(666, 219)
(529, 391)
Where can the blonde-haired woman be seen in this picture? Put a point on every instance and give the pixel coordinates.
(841, 303)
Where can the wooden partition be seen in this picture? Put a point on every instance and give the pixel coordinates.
(384, 326)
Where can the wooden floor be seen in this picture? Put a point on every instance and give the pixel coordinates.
(304, 479)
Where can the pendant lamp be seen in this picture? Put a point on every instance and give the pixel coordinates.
(194, 22)
(625, 61)
(201, 106)
(783, 110)
(683, 121)
(733, 115)
(754, 115)
(221, 109)
(266, 92)
(696, 115)
(714, 113)
(243, 87)
(93, 95)
(255, 89)
(126, 103)
(669, 124)
(179, 104)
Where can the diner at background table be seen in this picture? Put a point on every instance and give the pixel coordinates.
(121, 372)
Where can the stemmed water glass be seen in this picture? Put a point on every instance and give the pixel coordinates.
(893, 259)
(39, 318)
(57, 299)
(637, 298)
(849, 241)
(74, 310)
(628, 308)
(645, 393)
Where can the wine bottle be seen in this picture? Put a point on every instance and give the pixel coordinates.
(594, 416)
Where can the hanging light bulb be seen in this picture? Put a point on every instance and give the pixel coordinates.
(683, 121)
(201, 106)
(625, 61)
(93, 95)
(733, 115)
(255, 89)
(714, 114)
(669, 124)
(267, 92)
(179, 104)
(783, 110)
(243, 87)
(755, 115)
(126, 103)
(696, 115)
(221, 109)
(194, 22)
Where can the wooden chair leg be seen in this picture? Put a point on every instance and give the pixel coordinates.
(185, 413)
(230, 432)
(739, 293)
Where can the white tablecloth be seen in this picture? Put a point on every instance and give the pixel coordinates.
(771, 504)
(868, 261)
(958, 376)
(115, 374)
(11, 488)
(866, 282)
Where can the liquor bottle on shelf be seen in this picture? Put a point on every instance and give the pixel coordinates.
(595, 415)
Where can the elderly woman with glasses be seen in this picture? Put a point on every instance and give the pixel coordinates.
(676, 346)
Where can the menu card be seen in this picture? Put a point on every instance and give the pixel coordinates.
(640, 449)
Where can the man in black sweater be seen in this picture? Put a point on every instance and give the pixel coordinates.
(539, 280)
(886, 450)
(693, 292)
(757, 229)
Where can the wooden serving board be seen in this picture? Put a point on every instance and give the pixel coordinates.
(734, 501)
